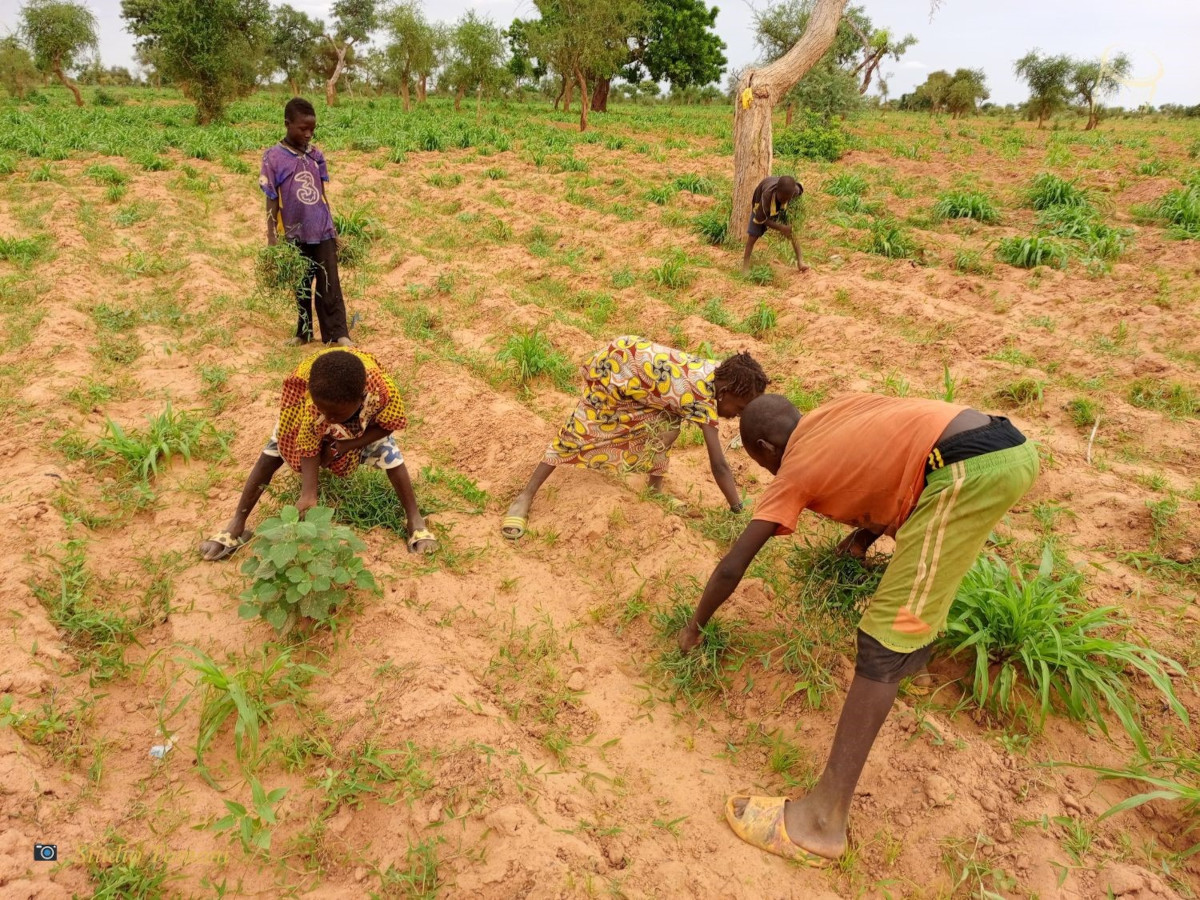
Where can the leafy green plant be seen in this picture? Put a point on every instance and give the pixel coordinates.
(252, 827)
(356, 231)
(530, 356)
(967, 205)
(1036, 644)
(419, 879)
(281, 267)
(120, 872)
(1047, 190)
(761, 274)
(695, 184)
(302, 568)
(1029, 252)
(661, 195)
(812, 138)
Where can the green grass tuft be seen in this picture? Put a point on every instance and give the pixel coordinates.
(967, 205)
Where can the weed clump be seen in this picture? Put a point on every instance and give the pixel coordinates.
(280, 268)
(1175, 399)
(1048, 190)
(888, 239)
(1033, 251)
(699, 674)
(713, 223)
(1036, 644)
(1179, 210)
(530, 356)
(967, 205)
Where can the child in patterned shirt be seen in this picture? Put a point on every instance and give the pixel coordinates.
(293, 177)
(339, 411)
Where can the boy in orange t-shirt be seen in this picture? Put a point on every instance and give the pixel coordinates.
(937, 477)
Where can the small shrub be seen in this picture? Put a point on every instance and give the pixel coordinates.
(1048, 189)
(888, 239)
(302, 568)
(1175, 399)
(1035, 643)
(967, 205)
(812, 138)
(1030, 252)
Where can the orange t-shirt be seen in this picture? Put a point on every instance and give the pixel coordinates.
(859, 460)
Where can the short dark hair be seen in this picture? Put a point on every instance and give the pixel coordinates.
(742, 375)
(771, 418)
(297, 107)
(791, 185)
(337, 377)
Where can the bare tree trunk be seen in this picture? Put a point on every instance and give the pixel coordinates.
(583, 100)
(569, 88)
(870, 72)
(788, 119)
(1041, 119)
(758, 92)
(459, 93)
(331, 84)
(479, 103)
(404, 91)
(1093, 118)
(294, 86)
(600, 95)
(421, 89)
(68, 83)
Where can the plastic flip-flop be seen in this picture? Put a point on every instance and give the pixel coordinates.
(417, 536)
(761, 825)
(513, 527)
(229, 543)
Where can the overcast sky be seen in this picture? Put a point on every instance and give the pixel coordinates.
(1160, 36)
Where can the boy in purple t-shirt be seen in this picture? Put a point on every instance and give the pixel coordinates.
(293, 178)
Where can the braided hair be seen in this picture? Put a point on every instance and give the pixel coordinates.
(742, 376)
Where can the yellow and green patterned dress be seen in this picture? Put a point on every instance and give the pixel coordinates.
(635, 393)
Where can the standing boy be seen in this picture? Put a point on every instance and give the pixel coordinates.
(771, 199)
(937, 477)
(293, 177)
(339, 410)
(636, 397)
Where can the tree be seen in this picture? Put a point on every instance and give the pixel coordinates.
(827, 89)
(585, 40)
(213, 49)
(58, 32)
(876, 45)
(294, 39)
(966, 88)
(411, 48)
(424, 67)
(1092, 79)
(353, 22)
(478, 58)
(18, 74)
(678, 43)
(522, 62)
(1047, 80)
(760, 89)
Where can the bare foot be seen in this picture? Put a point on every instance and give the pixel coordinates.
(344, 342)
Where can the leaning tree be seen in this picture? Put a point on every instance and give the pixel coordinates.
(759, 90)
(353, 22)
(1093, 79)
(58, 32)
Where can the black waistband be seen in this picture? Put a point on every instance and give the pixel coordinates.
(998, 434)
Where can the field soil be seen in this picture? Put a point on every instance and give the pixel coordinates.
(499, 720)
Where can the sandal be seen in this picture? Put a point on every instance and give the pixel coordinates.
(513, 527)
(229, 544)
(421, 534)
(761, 825)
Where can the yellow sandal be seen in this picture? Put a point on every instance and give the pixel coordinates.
(761, 825)
(513, 527)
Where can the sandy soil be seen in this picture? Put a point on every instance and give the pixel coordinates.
(555, 761)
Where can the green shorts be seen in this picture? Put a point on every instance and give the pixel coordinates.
(941, 540)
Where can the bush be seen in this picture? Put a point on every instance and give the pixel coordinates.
(302, 568)
(811, 138)
(1035, 644)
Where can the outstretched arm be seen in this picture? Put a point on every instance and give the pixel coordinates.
(722, 474)
(725, 579)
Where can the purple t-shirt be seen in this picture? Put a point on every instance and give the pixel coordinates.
(291, 177)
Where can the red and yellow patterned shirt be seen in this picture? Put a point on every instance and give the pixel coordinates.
(302, 427)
